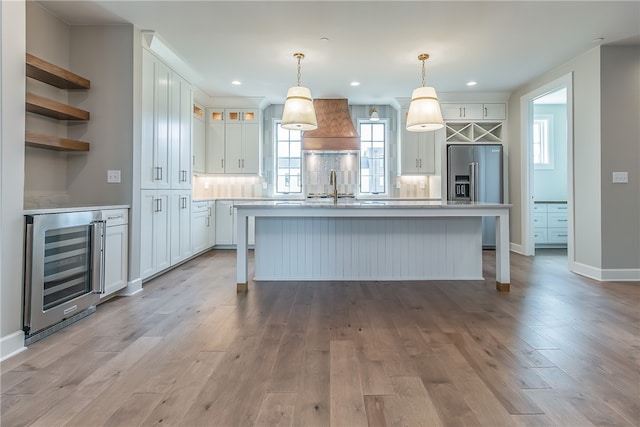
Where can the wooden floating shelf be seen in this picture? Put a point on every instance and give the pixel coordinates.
(50, 142)
(57, 110)
(53, 75)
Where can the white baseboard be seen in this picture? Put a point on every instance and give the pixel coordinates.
(606, 275)
(11, 345)
(514, 247)
(133, 287)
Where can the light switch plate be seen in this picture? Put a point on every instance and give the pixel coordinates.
(113, 176)
(620, 177)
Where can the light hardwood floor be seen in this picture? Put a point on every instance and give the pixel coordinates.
(558, 350)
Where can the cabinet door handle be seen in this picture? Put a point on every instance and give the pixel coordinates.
(158, 173)
(460, 112)
(416, 162)
(222, 163)
(239, 163)
(183, 202)
(207, 221)
(209, 211)
(464, 111)
(485, 112)
(158, 205)
(242, 163)
(193, 160)
(231, 210)
(420, 163)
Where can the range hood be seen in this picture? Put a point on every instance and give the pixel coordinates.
(335, 128)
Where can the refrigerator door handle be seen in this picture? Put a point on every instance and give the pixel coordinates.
(473, 181)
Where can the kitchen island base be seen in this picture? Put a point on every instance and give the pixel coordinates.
(368, 249)
(389, 241)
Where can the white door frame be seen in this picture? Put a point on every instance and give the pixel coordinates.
(526, 120)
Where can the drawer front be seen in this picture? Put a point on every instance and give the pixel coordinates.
(199, 206)
(539, 219)
(115, 216)
(557, 220)
(540, 235)
(557, 207)
(557, 235)
(539, 207)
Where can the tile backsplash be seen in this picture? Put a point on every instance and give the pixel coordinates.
(317, 168)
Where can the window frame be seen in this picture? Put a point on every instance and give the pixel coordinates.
(549, 143)
(387, 180)
(276, 193)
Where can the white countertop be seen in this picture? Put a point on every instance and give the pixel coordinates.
(368, 204)
(65, 209)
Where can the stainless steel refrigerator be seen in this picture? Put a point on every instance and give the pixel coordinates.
(474, 174)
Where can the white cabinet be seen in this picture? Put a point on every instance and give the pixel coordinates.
(180, 225)
(550, 224)
(225, 217)
(215, 141)
(116, 250)
(233, 141)
(461, 111)
(155, 122)
(224, 222)
(202, 226)
(180, 141)
(472, 111)
(417, 151)
(155, 232)
(166, 127)
(198, 139)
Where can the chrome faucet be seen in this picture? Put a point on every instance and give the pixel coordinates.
(334, 181)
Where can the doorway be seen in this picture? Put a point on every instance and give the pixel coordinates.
(547, 164)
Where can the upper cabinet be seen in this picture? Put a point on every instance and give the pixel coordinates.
(481, 123)
(233, 141)
(198, 138)
(456, 111)
(418, 150)
(53, 75)
(166, 127)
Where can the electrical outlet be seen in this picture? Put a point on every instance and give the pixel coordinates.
(620, 177)
(113, 176)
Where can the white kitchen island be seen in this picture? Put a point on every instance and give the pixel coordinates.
(370, 240)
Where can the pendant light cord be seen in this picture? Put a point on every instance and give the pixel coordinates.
(299, 56)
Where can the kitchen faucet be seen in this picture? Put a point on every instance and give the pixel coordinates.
(334, 181)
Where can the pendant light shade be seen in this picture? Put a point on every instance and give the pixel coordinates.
(299, 113)
(424, 110)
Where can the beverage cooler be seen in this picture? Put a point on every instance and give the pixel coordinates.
(63, 269)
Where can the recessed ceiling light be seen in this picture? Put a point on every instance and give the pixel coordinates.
(236, 82)
(324, 39)
(597, 40)
(355, 83)
(472, 83)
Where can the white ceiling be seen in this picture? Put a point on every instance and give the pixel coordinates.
(501, 45)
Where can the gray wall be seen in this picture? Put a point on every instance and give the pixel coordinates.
(620, 148)
(45, 170)
(12, 117)
(103, 54)
(601, 73)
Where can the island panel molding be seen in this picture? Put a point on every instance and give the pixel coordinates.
(440, 220)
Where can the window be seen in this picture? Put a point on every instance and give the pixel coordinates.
(288, 158)
(543, 142)
(373, 142)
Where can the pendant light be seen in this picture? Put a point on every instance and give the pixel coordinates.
(424, 110)
(299, 113)
(373, 115)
